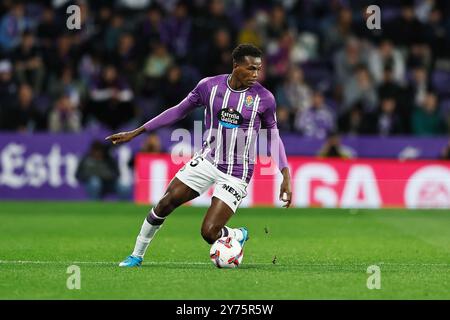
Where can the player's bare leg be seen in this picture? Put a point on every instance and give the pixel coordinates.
(214, 223)
(176, 194)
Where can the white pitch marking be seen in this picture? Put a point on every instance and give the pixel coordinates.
(207, 263)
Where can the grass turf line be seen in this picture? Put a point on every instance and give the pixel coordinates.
(320, 253)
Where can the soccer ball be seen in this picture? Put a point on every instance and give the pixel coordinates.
(226, 252)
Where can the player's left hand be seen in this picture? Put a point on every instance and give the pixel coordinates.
(285, 193)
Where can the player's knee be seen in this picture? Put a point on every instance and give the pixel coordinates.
(210, 233)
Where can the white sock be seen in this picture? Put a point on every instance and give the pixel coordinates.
(235, 233)
(144, 238)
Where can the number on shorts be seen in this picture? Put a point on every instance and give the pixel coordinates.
(195, 161)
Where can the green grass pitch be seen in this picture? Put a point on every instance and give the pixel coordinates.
(320, 253)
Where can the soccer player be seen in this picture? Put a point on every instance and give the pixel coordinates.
(236, 107)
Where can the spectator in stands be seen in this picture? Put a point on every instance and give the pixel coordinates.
(284, 119)
(388, 122)
(65, 84)
(155, 67)
(446, 119)
(426, 120)
(28, 62)
(12, 25)
(22, 115)
(114, 30)
(250, 33)
(210, 17)
(176, 30)
(418, 86)
(437, 33)
(64, 117)
(62, 55)
(388, 88)
(152, 144)
(317, 120)
(89, 68)
(102, 22)
(360, 88)
(111, 99)
(48, 29)
(125, 57)
(355, 122)
(8, 88)
(445, 154)
(335, 34)
(277, 25)
(279, 58)
(406, 29)
(386, 56)
(347, 60)
(219, 59)
(187, 30)
(419, 54)
(294, 94)
(149, 29)
(215, 18)
(333, 148)
(99, 173)
(422, 10)
(180, 87)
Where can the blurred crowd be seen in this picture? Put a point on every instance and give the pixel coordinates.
(132, 59)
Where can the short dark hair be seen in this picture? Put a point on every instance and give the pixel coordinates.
(243, 50)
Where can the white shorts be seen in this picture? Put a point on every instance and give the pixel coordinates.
(199, 174)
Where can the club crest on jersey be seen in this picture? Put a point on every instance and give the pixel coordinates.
(249, 101)
(230, 118)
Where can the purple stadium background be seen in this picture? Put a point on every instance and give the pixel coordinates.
(42, 166)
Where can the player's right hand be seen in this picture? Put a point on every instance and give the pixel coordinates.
(120, 137)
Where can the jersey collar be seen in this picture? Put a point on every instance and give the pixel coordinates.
(229, 87)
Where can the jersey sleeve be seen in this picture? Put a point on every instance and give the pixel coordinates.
(276, 146)
(269, 117)
(194, 99)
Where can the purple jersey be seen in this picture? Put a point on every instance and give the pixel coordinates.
(232, 122)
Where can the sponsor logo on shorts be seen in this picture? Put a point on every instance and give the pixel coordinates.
(232, 191)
